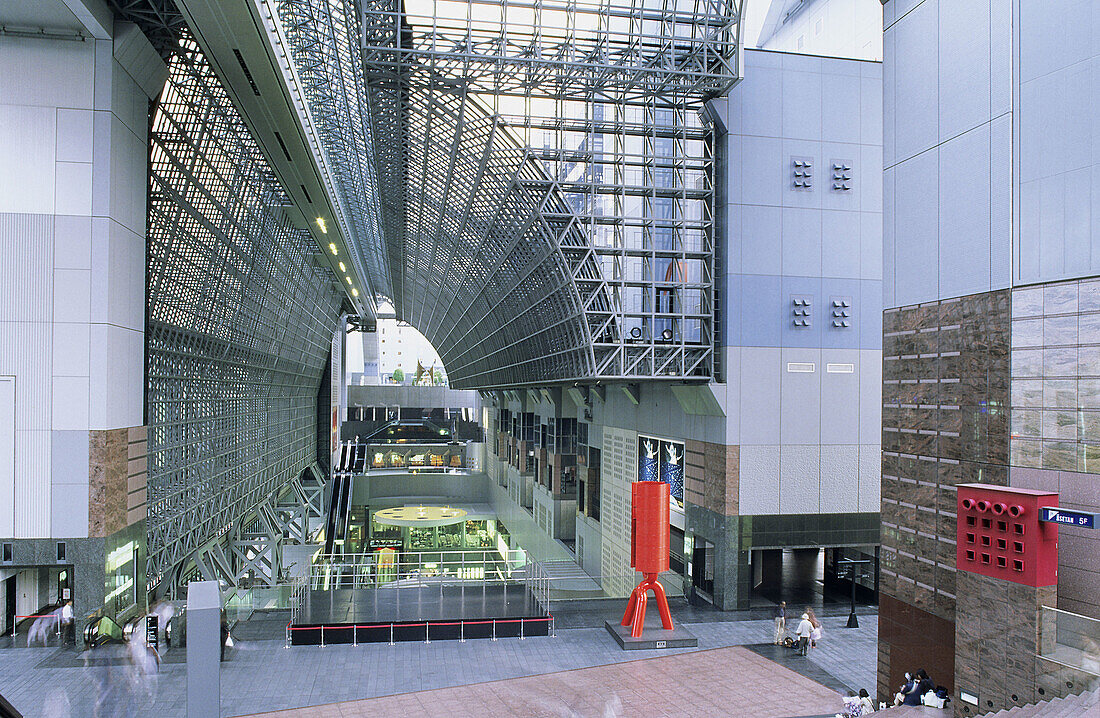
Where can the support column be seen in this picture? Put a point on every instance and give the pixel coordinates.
(204, 644)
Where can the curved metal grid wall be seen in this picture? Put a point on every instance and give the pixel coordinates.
(546, 187)
(481, 272)
(239, 321)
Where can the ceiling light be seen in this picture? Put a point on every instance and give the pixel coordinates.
(354, 292)
(342, 267)
(349, 279)
(332, 247)
(321, 224)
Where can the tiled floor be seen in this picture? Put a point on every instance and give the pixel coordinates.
(716, 682)
(262, 675)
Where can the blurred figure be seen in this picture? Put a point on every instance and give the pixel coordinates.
(108, 668)
(144, 665)
(124, 678)
(56, 705)
(41, 629)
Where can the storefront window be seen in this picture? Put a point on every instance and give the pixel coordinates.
(450, 537)
(477, 535)
(421, 539)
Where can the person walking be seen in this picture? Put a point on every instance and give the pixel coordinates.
(805, 628)
(780, 623)
(67, 633)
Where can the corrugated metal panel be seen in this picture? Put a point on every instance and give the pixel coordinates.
(618, 469)
(32, 483)
(26, 267)
(7, 455)
(26, 308)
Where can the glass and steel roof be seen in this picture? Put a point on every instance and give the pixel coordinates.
(528, 181)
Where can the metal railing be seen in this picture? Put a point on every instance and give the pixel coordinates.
(419, 568)
(1070, 640)
(241, 603)
(297, 597)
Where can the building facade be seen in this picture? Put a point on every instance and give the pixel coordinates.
(781, 451)
(990, 189)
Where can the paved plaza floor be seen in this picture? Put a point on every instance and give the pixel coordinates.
(715, 682)
(261, 675)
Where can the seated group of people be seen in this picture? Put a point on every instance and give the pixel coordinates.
(917, 686)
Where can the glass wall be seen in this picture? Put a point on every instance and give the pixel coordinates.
(1056, 376)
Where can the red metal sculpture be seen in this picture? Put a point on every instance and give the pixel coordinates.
(648, 551)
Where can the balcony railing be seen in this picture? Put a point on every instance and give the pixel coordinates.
(1071, 641)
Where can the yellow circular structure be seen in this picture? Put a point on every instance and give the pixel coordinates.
(420, 516)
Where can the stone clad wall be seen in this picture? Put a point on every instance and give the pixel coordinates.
(945, 422)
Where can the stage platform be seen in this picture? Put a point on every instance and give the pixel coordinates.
(432, 612)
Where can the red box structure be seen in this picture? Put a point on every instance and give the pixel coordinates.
(1000, 534)
(649, 537)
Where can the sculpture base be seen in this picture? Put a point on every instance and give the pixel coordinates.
(651, 638)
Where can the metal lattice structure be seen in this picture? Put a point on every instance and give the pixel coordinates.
(542, 181)
(528, 181)
(239, 322)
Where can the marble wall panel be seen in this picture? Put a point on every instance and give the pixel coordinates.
(946, 390)
(108, 485)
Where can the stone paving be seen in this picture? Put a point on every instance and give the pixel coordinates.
(262, 675)
(715, 682)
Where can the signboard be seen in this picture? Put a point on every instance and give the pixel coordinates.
(384, 542)
(151, 624)
(662, 460)
(1067, 517)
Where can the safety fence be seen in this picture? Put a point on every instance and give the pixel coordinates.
(50, 626)
(419, 568)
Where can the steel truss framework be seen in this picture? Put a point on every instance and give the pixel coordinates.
(251, 552)
(238, 327)
(541, 177)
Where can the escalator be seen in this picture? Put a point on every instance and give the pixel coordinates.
(343, 481)
(102, 631)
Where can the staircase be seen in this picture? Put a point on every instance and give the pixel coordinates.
(1084, 705)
